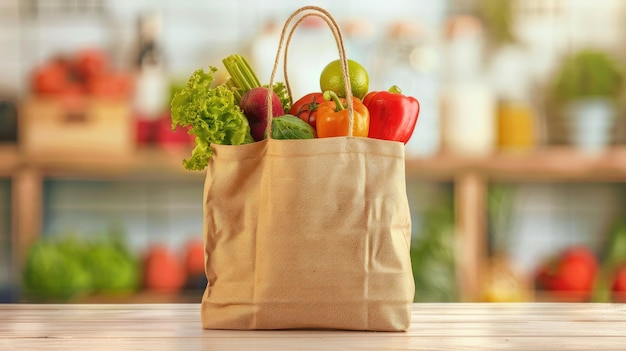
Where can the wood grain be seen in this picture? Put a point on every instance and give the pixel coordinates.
(546, 164)
(458, 326)
(9, 159)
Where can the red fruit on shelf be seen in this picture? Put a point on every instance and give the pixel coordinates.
(145, 130)
(576, 271)
(111, 86)
(619, 284)
(171, 139)
(571, 275)
(163, 271)
(91, 63)
(51, 78)
(194, 257)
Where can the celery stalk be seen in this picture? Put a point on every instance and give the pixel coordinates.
(242, 76)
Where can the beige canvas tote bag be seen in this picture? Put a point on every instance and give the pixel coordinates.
(308, 234)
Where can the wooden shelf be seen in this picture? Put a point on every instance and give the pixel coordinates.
(9, 159)
(556, 163)
(144, 163)
(470, 177)
(142, 297)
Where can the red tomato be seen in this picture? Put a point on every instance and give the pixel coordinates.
(91, 63)
(145, 130)
(194, 257)
(543, 277)
(50, 78)
(576, 270)
(112, 85)
(619, 284)
(571, 275)
(306, 108)
(171, 139)
(163, 270)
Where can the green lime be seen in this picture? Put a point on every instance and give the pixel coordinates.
(332, 79)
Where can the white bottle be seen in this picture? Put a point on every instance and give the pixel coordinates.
(151, 84)
(468, 104)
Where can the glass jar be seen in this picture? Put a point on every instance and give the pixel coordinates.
(468, 104)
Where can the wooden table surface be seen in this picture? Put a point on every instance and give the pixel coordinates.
(456, 326)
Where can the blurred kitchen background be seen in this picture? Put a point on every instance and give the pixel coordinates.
(517, 162)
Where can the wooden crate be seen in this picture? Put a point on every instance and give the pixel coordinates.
(96, 127)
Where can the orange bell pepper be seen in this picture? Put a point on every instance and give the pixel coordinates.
(333, 119)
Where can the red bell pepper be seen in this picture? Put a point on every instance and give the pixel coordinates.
(392, 115)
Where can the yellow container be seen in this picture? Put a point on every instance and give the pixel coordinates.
(516, 126)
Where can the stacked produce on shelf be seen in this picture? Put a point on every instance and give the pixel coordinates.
(86, 73)
(78, 104)
(611, 283)
(166, 271)
(579, 274)
(77, 89)
(70, 268)
(618, 287)
(570, 275)
(236, 112)
(157, 131)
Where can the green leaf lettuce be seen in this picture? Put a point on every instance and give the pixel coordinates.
(212, 115)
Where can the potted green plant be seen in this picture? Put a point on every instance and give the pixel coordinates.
(586, 90)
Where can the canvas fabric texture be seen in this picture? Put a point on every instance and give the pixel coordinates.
(307, 234)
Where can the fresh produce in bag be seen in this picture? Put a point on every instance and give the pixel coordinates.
(224, 114)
